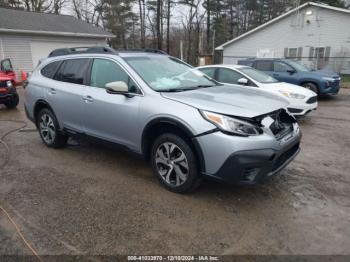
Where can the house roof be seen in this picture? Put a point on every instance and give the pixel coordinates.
(19, 21)
(221, 47)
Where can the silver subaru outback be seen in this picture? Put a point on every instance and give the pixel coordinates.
(187, 125)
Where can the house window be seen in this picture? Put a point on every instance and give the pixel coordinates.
(320, 56)
(320, 53)
(293, 52)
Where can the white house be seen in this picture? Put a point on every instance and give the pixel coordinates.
(26, 37)
(314, 33)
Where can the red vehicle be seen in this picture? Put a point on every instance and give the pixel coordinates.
(8, 92)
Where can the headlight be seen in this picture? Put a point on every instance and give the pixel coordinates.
(292, 95)
(329, 79)
(9, 83)
(231, 125)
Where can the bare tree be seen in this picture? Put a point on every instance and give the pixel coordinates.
(142, 17)
(57, 6)
(90, 11)
(159, 24)
(168, 15)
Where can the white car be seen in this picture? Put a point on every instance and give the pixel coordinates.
(302, 101)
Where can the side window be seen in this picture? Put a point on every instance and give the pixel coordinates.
(208, 71)
(263, 65)
(105, 71)
(228, 76)
(281, 67)
(73, 71)
(50, 69)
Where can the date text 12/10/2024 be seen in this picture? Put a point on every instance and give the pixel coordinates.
(173, 258)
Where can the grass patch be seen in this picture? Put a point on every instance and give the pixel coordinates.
(345, 81)
(345, 78)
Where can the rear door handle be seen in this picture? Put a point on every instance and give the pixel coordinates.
(88, 99)
(52, 91)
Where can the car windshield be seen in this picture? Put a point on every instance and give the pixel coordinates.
(167, 74)
(258, 75)
(298, 66)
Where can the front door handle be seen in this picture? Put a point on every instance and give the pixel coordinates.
(52, 91)
(88, 99)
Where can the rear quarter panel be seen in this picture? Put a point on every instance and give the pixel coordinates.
(34, 92)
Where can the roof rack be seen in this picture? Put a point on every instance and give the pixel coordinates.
(82, 50)
(147, 50)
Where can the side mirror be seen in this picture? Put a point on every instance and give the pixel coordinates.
(243, 81)
(117, 87)
(291, 71)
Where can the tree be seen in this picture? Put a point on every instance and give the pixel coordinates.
(57, 6)
(142, 17)
(168, 16)
(89, 11)
(159, 21)
(119, 19)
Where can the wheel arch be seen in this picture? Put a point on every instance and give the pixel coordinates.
(163, 125)
(304, 81)
(39, 105)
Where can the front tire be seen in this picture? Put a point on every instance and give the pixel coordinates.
(49, 129)
(311, 86)
(174, 163)
(13, 103)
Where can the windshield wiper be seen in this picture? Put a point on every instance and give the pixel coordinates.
(204, 86)
(176, 89)
(185, 88)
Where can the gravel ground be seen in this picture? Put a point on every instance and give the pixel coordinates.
(89, 199)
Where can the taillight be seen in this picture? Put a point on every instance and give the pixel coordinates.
(3, 90)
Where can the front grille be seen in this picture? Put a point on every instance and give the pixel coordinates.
(312, 100)
(294, 110)
(284, 157)
(3, 83)
(3, 88)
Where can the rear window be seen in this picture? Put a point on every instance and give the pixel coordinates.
(263, 65)
(50, 69)
(73, 71)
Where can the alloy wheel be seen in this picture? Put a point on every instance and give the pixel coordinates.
(172, 164)
(47, 128)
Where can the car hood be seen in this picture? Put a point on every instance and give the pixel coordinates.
(321, 73)
(281, 86)
(230, 100)
(4, 78)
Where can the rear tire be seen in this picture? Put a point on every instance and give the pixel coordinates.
(174, 164)
(311, 86)
(49, 129)
(13, 103)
